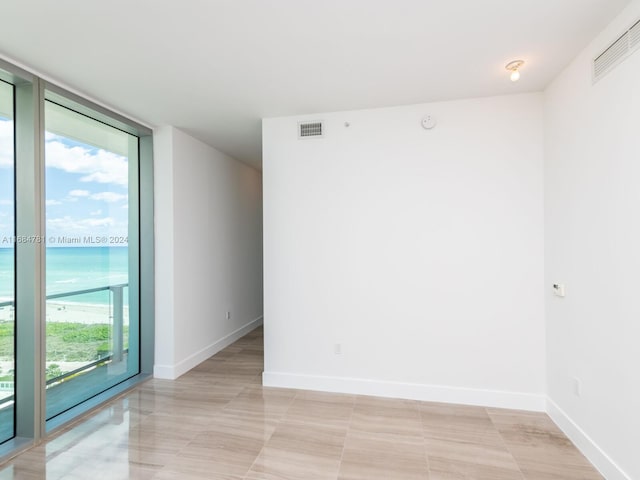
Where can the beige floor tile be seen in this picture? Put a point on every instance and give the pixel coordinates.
(300, 451)
(191, 407)
(326, 397)
(321, 409)
(541, 449)
(222, 452)
(11, 472)
(449, 459)
(369, 457)
(169, 474)
(254, 425)
(459, 423)
(442, 469)
(89, 470)
(530, 429)
(33, 465)
(256, 380)
(270, 402)
(173, 427)
(550, 462)
(277, 464)
(199, 468)
(309, 439)
(228, 352)
(382, 416)
(217, 422)
(496, 455)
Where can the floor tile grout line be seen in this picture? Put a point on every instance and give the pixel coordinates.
(186, 446)
(244, 366)
(508, 448)
(277, 423)
(346, 434)
(424, 442)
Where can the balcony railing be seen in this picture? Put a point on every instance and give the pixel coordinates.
(117, 317)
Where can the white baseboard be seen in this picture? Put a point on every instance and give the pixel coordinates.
(171, 372)
(585, 444)
(412, 391)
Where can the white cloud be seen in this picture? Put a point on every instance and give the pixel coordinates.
(6, 202)
(96, 212)
(100, 167)
(99, 229)
(79, 193)
(110, 197)
(98, 222)
(6, 143)
(71, 225)
(53, 202)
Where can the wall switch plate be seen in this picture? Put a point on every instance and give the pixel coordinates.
(228, 316)
(558, 289)
(337, 349)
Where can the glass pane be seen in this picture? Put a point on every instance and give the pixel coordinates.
(7, 264)
(91, 264)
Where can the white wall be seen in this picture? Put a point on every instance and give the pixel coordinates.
(592, 180)
(420, 252)
(208, 251)
(163, 247)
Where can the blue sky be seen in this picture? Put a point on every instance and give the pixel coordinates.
(86, 190)
(6, 180)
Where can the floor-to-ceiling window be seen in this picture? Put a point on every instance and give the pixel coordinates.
(7, 263)
(76, 256)
(91, 178)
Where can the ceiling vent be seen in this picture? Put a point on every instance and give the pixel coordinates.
(310, 130)
(616, 52)
(634, 36)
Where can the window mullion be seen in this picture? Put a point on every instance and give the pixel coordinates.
(30, 260)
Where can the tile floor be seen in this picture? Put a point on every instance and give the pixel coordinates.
(218, 423)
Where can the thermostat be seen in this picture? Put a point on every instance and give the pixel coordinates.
(558, 289)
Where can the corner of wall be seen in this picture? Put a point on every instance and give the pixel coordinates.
(173, 371)
(163, 234)
(589, 448)
(591, 235)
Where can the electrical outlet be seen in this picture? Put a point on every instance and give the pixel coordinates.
(228, 316)
(577, 387)
(337, 349)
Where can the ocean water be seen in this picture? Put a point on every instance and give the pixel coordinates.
(70, 269)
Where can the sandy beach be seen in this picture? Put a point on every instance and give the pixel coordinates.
(72, 313)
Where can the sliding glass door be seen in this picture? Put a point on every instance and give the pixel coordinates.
(92, 267)
(7, 263)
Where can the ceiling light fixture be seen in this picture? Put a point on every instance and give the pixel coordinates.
(514, 68)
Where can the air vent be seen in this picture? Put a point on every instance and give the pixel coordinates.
(611, 56)
(634, 36)
(310, 130)
(616, 52)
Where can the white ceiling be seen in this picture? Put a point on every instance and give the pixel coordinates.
(214, 68)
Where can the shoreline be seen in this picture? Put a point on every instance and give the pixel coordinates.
(84, 313)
